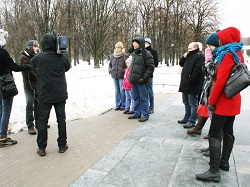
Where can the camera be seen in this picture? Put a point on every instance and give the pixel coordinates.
(62, 43)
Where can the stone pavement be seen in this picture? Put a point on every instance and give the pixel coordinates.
(159, 153)
(111, 151)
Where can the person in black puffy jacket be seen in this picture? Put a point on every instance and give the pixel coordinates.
(141, 70)
(51, 90)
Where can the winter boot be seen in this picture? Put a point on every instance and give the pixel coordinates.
(204, 149)
(213, 174)
(228, 143)
(198, 128)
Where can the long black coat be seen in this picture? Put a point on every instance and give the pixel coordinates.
(51, 68)
(191, 75)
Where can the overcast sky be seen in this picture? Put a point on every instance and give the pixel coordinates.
(236, 13)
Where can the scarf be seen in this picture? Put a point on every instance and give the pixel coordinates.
(230, 47)
(117, 55)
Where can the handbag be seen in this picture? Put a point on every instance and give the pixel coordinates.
(238, 80)
(7, 86)
(202, 110)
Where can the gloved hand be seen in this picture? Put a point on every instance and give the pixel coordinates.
(30, 67)
(211, 107)
(141, 81)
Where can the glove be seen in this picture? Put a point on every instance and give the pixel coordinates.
(141, 81)
(211, 107)
(131, 50)
(30, 67)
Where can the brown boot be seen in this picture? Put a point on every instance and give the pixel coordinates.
(198, 128)
(206, 137)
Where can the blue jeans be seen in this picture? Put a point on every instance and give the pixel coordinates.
(140, 98)
(5, 111)
(191, 103)
(128, 103)
(31, 108)
(119, 93)
(151, 93)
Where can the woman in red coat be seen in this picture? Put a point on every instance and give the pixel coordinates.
(224, 109)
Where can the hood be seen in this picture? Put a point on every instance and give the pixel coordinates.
(48, 42)
(229, 35)
(140, 41)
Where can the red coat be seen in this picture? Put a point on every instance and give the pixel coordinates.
(225, 106)
(125, 83)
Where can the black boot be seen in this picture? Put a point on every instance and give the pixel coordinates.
(228, 143)
(198, 128)
(213, 174)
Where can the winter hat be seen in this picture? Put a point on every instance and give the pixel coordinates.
(229, 35)
(129, 60)
(119, 44)
(3, 34)
(213, 39)
(29, 46)
(148, 40)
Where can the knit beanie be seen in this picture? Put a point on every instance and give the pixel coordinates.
(119, 44)
(148, 40)
(213, 40)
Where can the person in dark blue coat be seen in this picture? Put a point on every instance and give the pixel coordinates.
(51, 90)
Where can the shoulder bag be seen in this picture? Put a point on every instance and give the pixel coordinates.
(238, 80)
(7, 86)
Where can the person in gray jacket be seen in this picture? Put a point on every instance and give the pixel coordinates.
(141, 70)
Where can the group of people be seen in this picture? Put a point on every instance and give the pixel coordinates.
(133, 78)
(205, 98)
(44, 86)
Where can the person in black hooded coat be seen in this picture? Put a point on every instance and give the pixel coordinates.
(52, 91)
(141, 70)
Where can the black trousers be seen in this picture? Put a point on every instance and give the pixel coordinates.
(221, 124)
(44, 113)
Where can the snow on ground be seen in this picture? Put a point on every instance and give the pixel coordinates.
(91, 92)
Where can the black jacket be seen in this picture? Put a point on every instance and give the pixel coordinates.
(51, 68)
(7, 65)
(191, 75)
(155, 55)
(142, 66)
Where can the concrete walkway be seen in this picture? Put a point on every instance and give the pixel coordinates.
(112, 151)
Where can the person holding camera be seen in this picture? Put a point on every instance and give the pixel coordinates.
(7, 65)
(51, 66)
(29, 84)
